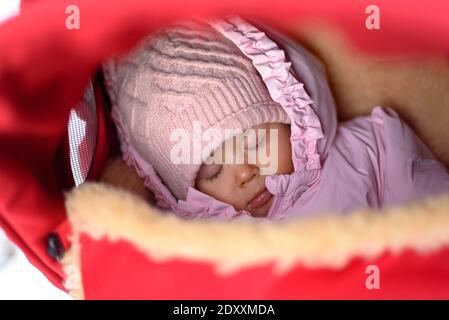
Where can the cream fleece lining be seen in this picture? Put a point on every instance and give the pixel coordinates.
(328, 241)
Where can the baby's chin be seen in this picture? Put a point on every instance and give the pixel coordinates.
(262, 211)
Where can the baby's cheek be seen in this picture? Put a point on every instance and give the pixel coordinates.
(230, 196)
(285, 162)
(278, 151)
(220, 190)
(236, 199)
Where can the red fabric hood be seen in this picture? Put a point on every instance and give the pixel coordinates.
(44, 69)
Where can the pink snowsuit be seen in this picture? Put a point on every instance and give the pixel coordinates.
(374, 161)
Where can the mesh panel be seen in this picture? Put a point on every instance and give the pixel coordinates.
(82, 134)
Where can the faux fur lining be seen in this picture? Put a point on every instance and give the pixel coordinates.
(328, 241)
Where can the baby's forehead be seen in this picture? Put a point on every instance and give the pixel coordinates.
(240, 135)
(242, 139)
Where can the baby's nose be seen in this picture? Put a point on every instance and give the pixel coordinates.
(245, 173)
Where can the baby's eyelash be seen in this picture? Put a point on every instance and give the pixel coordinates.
(260, 142)
(215, 174)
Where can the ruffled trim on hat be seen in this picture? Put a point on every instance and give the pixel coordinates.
(270, 62)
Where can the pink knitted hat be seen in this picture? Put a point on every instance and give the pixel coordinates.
(185, 75)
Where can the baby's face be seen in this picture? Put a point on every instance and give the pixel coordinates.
(242, 184)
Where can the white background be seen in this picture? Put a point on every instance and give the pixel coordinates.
(8, 8)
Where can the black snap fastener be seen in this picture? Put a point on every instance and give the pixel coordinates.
(54, 247)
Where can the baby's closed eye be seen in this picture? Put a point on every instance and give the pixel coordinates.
(209, 171)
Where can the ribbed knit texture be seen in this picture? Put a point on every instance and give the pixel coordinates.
(184, 73)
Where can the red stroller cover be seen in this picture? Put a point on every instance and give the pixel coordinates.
(44, 69)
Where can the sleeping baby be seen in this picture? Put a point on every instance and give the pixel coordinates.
(223, 120)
